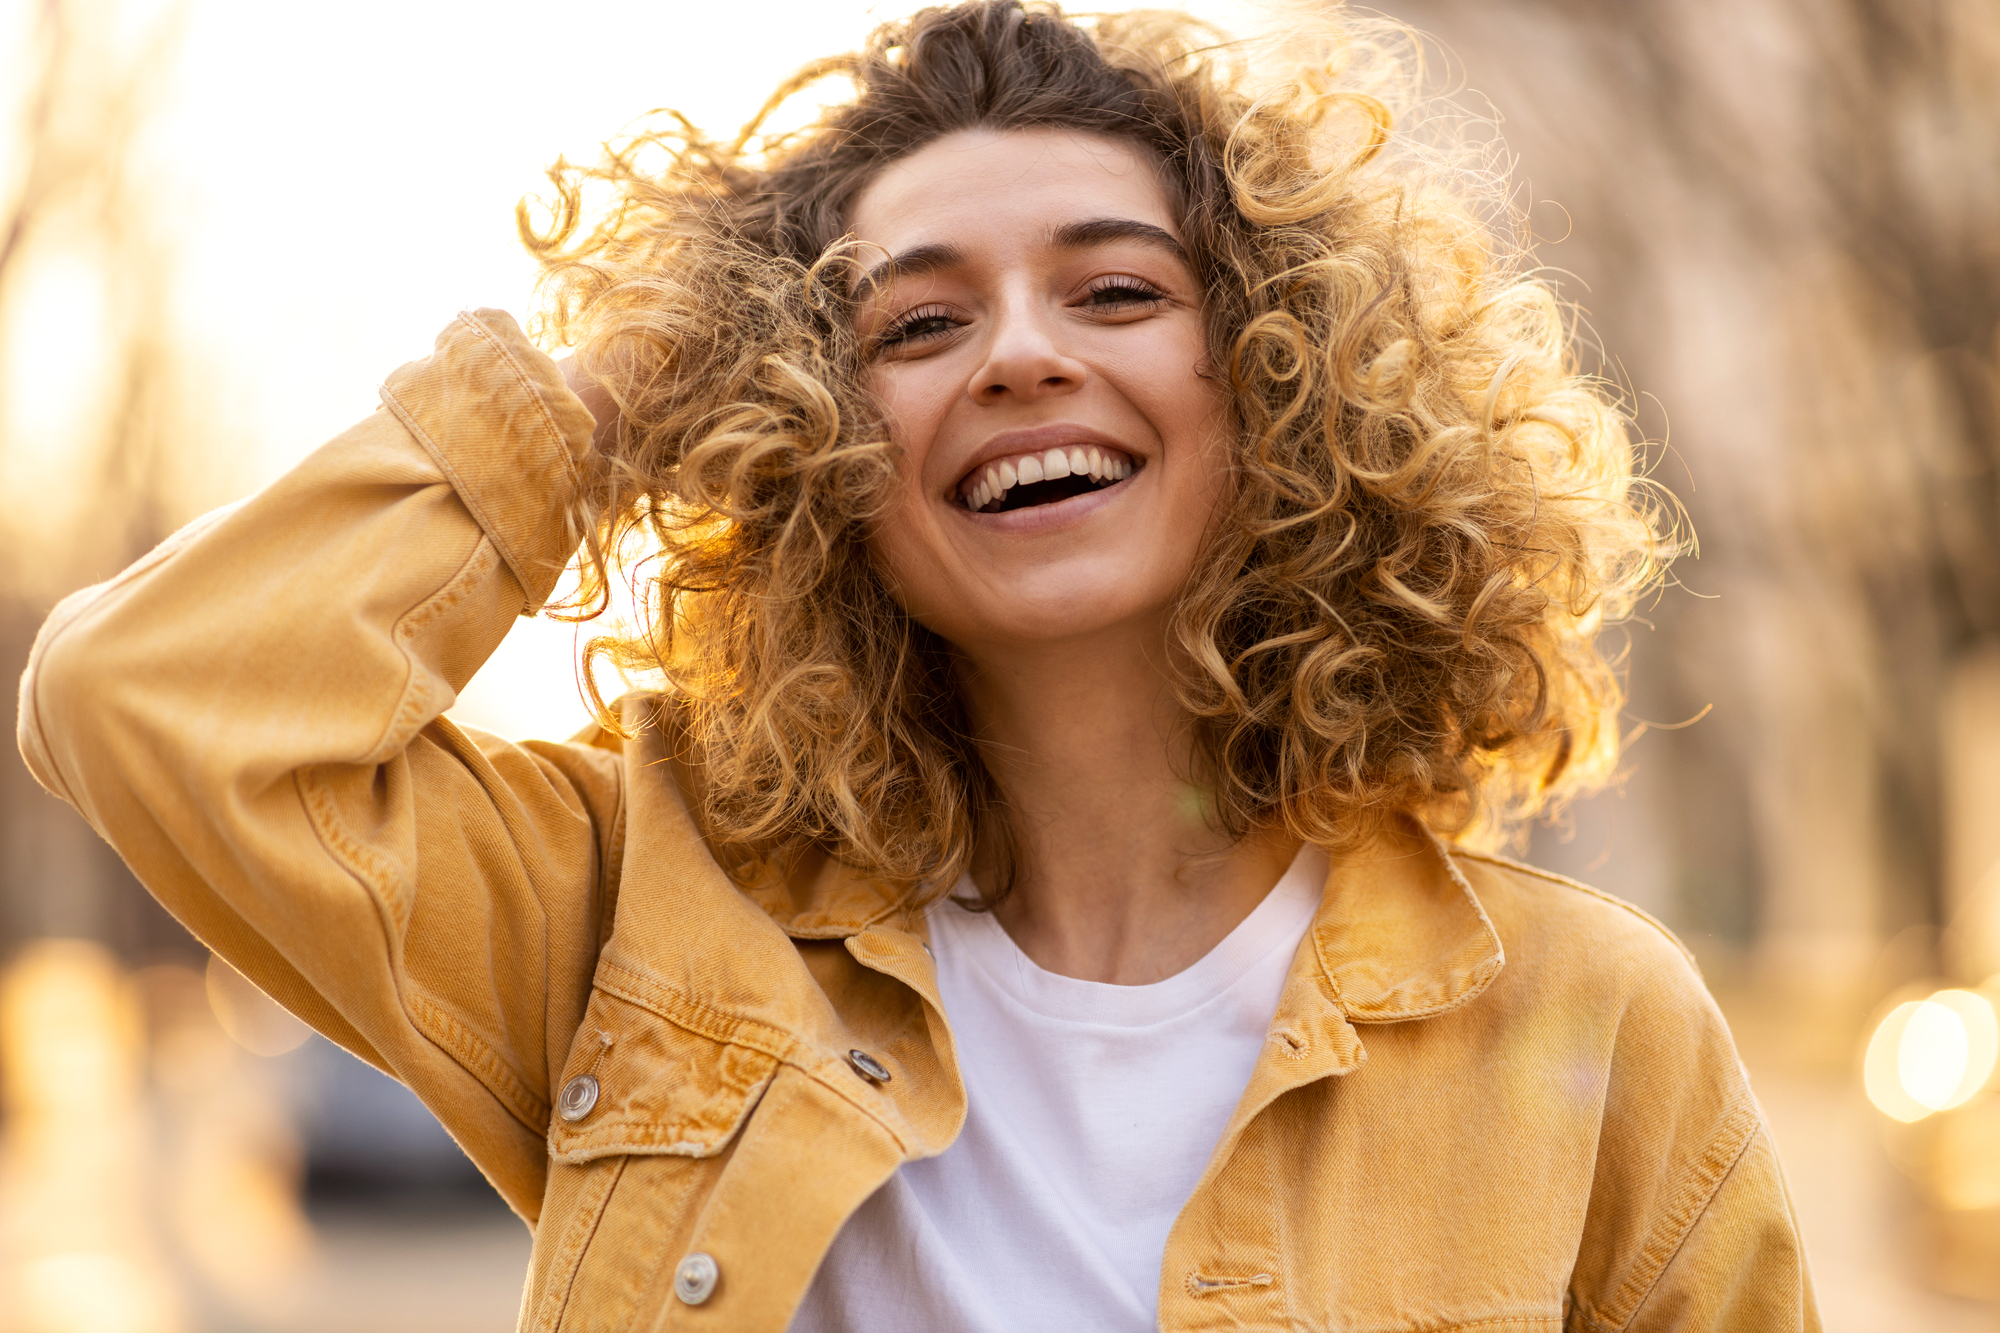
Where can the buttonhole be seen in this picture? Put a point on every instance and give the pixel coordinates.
(1201, 1284)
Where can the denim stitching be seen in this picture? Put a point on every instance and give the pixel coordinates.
(611, 874)
(480, 1060)
(686, 1011)
(1580, 887)
(564, 1266)
(451, 473)
(1739, 1129)
(358, 859)
(458, 487)
(415, 700)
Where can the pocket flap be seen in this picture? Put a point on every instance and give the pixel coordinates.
(660, 1088)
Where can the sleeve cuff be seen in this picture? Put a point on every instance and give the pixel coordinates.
(494, 413)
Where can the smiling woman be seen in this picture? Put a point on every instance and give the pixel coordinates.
(1125, 532)
(1430, 513)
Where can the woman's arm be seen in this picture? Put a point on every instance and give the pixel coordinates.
(251, 716)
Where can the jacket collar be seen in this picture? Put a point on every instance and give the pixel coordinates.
(1399, 933)
(829, 901)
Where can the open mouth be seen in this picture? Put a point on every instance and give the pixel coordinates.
(1043, 477)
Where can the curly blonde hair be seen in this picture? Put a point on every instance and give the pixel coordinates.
(1435, 512)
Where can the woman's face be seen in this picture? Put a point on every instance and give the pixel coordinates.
(1039, 349)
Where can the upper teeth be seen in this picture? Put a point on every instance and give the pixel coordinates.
(1002, 475)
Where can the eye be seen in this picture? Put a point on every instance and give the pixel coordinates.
(924, 324)
(1120, 293)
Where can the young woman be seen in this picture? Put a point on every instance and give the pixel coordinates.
(1124, 538)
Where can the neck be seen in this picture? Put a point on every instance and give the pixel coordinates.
(1119, 877)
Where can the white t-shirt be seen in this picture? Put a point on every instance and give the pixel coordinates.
(1093, 1111)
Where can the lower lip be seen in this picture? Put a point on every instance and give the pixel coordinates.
(1061, 514)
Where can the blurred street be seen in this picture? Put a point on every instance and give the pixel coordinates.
(418, 1272)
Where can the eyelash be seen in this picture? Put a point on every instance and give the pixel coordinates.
(1134, 292)
(902, 331)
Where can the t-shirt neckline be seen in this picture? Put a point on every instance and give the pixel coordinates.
(1280, 920)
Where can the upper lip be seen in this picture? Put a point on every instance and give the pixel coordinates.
(1035, 439)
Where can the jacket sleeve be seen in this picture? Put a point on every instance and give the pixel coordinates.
(1689, 1226)
(1741, 1264)
(250, 715)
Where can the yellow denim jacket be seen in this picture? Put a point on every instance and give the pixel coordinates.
(1490, 1099)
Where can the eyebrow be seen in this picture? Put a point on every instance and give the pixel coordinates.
(1070, 236)
(909, 264)
(1097, 231)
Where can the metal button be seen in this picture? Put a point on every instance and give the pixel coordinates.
(695, 1279)
(579, 1095)
(868, 1066)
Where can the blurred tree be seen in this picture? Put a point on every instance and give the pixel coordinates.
(1781, 218)
(80, 195)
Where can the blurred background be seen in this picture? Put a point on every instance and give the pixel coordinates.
(223, 222)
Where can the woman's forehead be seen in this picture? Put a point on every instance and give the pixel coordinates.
(1018, 184)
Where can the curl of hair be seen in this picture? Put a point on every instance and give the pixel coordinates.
(1434, 515)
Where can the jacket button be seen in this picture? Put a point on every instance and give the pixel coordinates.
(579, 1095)
(695, 1279)
(868, 1066)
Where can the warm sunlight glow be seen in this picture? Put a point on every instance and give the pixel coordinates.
(92, 1293)
(75, 1253)
(1881, 1069)
(1979, 1027)
(1931, 1057)
(1932, 1054)
(51, 386)
(336, 186)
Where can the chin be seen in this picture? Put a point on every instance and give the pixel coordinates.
(1051, 619)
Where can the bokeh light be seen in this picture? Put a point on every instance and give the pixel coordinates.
(1932, 1054)
(76, 1252)
(256, 1021)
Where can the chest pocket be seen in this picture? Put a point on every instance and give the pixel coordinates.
(637, 1082)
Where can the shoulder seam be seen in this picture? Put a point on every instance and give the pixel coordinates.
(1565, 881)
(1739, 1129)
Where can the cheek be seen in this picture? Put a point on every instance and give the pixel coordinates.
(1198, 422)
(914, 399)
(898, 543)
(905, 545)
(1200, 496)
(1171, 380)
(897, 552)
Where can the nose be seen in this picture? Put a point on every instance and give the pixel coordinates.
(1025, 361)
